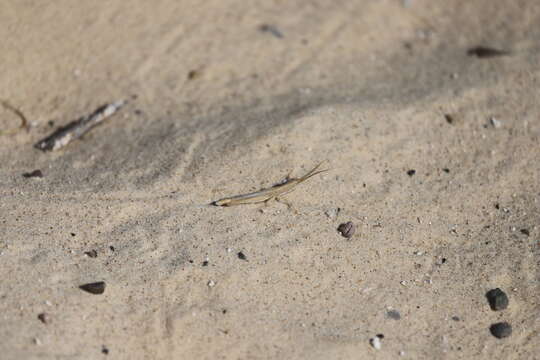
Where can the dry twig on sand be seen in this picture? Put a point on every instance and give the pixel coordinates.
(78, 128)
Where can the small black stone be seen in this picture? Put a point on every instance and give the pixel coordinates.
(205, 263)
(346, 229)
(501, 330)
(455, 318)
(449, 118)
(497, 299)
(91, 253)
(33, 174)
(393, 314)
(525, 232)
(241, 256)
(96, 288)
(44, 318)
(112, 248)
(411, 172)
(380, 336)
(446, 170)
(105, 350)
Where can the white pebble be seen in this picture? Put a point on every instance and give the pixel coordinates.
(211, 283)
(375, 342)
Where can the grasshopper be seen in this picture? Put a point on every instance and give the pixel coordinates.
(268, 194)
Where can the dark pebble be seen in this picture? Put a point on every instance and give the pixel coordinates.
(525, 232)
(455, 318)
(205, 263)
(411, 172)
(91, 253)
(501, 330)
(105, 350)
(33, 174)
(393, 314)
(497, 299)
(44, 318)
(449, 118)
(193, 74)
(96, 288)
(241, 256)
(446, 170)
(346, 229)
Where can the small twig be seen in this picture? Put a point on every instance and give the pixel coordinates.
(77, 128)
(24, 121)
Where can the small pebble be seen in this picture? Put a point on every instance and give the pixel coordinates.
(525, 232)
(376, 341)
(44, 318)
(241, 256)
(501, 330)
(411, 172)
(96, 288)
(105, 350)
(33, 174)
(91, 253)
(346, 229)
(497, 299)
(211, 283)
(393, 314)
(495, 123)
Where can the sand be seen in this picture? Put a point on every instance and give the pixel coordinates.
(218, 107)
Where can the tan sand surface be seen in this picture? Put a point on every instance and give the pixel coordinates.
(219, 106)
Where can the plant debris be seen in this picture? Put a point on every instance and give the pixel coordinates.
(20, 115)
(484, 52)
(74, 130)
(271, 29)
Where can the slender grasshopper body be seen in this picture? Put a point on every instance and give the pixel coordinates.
(269, 193)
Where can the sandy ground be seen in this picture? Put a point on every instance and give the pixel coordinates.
(219, 107)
